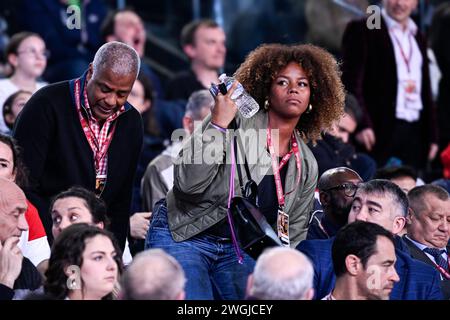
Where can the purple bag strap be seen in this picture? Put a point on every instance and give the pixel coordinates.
(230, 218)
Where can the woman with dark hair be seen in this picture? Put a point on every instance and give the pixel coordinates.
(33, 242)
(12, 107)
(79, 205)
(27, 55)
(300, 93)
(85, 264)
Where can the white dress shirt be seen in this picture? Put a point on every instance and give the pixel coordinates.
(409, 68)
(421, 247)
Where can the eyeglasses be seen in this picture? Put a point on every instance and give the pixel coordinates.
(349, 189)
(32, 51)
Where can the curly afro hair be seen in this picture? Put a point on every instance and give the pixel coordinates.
(263, 64)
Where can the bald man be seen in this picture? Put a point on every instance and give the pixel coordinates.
(153, 275)
(17, 274)
(83, 132)
(337, 188)
(281, 273)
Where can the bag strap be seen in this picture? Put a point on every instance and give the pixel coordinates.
(238, 143)
(229, 215)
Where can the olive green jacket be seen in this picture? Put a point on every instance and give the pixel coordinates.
(199, 196)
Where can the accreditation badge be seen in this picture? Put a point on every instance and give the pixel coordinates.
(283, 227)
(411, 91)
(100, 182)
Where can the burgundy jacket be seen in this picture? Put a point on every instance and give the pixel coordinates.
(370, 73)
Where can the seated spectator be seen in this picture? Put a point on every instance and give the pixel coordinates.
(27, 55)
(18, 275)
(12, 107)
(384, 203)
(281, 274)
(85, 264)
(126, 26)
(335, 150)
(403, 176)
(158, 178)
(428, 226)
(78, 205)
(203, 41)
(33, 241)
(337, 187)
(363, 260)
(153, 275)
(71, 39)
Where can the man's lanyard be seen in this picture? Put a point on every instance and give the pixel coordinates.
(99, 149)
(442, 270)
(406, 60)
(277, 168)
(319, 223)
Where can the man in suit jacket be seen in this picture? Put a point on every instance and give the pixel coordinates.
(386, 68)
(428, 226)
(384, 203)
(363, 253)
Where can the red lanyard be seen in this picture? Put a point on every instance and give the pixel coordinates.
(99, 149)
(407, 60)
(277, 168)
(442, 270)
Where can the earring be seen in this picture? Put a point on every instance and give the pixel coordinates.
(266, 105)
(309, 109)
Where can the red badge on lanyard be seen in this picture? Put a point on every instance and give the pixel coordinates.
(283, 217)
(99, 149)
(409, 85)
(444, 272)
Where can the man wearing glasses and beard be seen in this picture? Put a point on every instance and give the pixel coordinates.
(337, 187)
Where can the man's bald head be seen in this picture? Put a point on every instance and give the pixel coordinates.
(13, 205)
(153, 275)
(282, 273)
(336, 176)
(337, 187)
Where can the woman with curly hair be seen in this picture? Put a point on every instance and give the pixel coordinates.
(300, 93)
(85, 264)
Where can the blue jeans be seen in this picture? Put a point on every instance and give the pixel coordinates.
(209, 262)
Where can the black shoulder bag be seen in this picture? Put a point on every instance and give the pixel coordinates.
(253, 232)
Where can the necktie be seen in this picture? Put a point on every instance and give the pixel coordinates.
(437, 255)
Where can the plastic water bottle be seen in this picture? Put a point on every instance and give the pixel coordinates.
(245, 103)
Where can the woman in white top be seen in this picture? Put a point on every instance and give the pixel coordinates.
(27, 55)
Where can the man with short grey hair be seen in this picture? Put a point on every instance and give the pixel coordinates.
(381, 202)
(83, 132)
(281, 273)
(428, 226)
(153, 275)
(158, 177)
